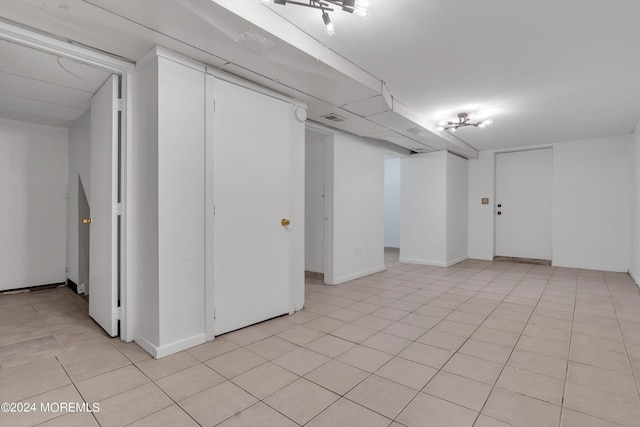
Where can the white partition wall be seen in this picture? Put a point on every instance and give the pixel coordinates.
(170, 213)
(433, 209)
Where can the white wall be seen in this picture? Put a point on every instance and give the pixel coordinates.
(33, 180)
(79, 161)
(635, 206)
(392, 177)
(358, 207)
(457, 208)
(591, 206)
(423, 209)
(314, 203)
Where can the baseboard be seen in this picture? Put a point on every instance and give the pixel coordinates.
(313, 275)
(555, 263)
(165, 350)
(481, 257)
(391, 249)
(635, 277)
(434, 263)
(358, 275)
(423, 262)
(34, 288)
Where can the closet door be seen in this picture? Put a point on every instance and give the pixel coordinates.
(252, 202)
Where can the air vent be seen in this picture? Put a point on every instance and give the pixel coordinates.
(334, 117)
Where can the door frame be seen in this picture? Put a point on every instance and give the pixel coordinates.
(495, 189)
(126, 71)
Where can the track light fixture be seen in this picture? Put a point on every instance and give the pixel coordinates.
(464, 119)
(361, 8)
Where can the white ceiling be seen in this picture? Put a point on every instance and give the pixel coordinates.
(42, 88)
(545, 71)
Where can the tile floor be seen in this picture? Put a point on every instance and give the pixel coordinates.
(483, 344)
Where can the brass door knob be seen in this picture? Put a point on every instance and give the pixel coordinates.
(285, 222)
(86, 220)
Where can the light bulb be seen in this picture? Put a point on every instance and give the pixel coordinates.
(488, 122)
(362, 8)
(443, 123)
(328, 25)
(482, 125)
(440, 127)
(453, 129)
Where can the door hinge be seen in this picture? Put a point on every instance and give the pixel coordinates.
(117, 104)
(214, 210)
(117, 313)
(118, 209)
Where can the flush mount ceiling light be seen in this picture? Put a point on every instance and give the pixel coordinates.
(361, 8)
(464, 119)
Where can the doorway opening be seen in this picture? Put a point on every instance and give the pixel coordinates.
(392, 187)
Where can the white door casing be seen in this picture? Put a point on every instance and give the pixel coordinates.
(103, 260)
(251, 196)
(523, 204)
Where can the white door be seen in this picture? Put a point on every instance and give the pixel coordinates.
(251, 193)
(523, 204)
(103, 259)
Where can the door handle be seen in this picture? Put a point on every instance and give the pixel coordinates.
(86, 220)
(285, 222)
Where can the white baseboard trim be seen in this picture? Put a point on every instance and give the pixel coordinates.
(635, 277)
(481, 257)
(457, 260)
(616, 269)
(165, 350)
(434, 263)
(358, 275)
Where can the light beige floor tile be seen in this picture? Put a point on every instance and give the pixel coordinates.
(156, 369)
(603, 379)
(190, 381)
(455, 328)
(246, 336)
(363, 307)
(494, 336)
(520, 410)
(429, 411)
(486, 351)
(459, 390)
(531, 384)
(346, 315)
(325, 324)
(111, 383)
(538, 363)
(386, 342)
(405, 331)
(547, 333)
(258, 415)
(264, 380)
(504, 325)
(555, 349)
(381, 395)
(365, 358)
(271, 347)
(131, 350)
(337, 376)
(171, 416)
(354, 333)
(419, 320)
(474, 368)
(96, 364)
(578, 419)
(406, 372)
(235, 362)
(24, 381)
(330, 346)
(39, 414)
(612, 407)
(603, 357)
(78, 419)
(390, 313)
(209, 350)
(426, 354)
(484, 421)
(132, 405)
(277, 325)
(218, 403)
(301, 401)
(301, 361)
(303, 316)
(346, 413)
(300, 335)
(442, 340)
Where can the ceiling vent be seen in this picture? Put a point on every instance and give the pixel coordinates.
(334, 117)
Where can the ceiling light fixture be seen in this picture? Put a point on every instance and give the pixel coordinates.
(464, 119)
(361, 8)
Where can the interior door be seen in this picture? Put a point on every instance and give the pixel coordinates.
(103, 247)
(251, 193)
(523, 204)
